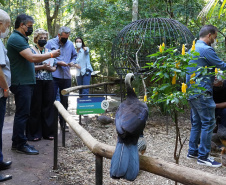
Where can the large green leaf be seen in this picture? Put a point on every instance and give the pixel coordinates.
(221, 9)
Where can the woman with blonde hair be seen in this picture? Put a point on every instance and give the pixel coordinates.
(40, 123)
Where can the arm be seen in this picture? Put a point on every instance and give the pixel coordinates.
(221, 105)
(213, 59)
(36, 58)
(3, 83)
(45, 67)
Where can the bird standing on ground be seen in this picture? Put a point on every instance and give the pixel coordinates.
(130, 121)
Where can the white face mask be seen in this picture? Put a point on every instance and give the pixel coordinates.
(4, 35)
(214, 43)
(78, 44)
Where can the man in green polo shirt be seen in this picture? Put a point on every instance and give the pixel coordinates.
(23, 79)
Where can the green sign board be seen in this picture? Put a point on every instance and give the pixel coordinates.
(95, 105)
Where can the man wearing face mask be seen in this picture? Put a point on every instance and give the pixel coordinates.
(67, 58)
(203, 105)
(23, 79)
(4, 85)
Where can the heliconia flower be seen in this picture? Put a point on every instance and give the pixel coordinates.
(163, 45)
(177, 64)
(216, 70)
(145, 98)
(192, 80)
(174, 78)
(183, 50)
(193, 46)
(160, 48)
(183, 88)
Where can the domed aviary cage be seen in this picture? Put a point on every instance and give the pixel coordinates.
(142, 38)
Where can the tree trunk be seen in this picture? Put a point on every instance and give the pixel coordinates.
(135, 10)
(51, 20)
(157, 166)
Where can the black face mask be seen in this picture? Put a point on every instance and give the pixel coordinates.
(63, 40)
(42, 43)
(29, 31)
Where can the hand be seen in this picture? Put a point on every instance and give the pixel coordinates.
(55, 53)
(71, 64)
(6, 93)
(47, 67)
(85, 48)
(77, 66)
(62, 63)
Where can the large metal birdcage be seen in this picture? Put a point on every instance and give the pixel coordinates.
(141, 38)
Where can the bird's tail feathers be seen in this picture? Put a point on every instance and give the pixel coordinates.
(125, 162)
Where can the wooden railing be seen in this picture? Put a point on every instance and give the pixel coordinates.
(182, 174)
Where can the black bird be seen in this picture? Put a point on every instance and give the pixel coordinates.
(130, 121)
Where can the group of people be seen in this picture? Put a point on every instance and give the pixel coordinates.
(34, 75)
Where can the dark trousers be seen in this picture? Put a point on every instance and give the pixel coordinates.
(22, 95)
(61, 84)
(2, 116)
(40, 123)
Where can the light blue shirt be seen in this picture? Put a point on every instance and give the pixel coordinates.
(5, 65)
(208, 57)
(83, 60)
(67, 54)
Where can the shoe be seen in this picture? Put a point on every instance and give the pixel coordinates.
(5, 177)
(66, 128)
(14, 147)
(209, 162)
(27, 149)
(189, 156)
(5, 165)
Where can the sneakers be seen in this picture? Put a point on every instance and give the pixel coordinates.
(189, 156)
(209, 162)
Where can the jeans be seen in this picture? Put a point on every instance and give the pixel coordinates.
(22, 95)
(2, 116)
(61, 84)
(84, 80)
(203, 123)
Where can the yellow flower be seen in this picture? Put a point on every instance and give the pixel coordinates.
(174, 78)
(145, 98)
(192, 80)
(134, 89)
(160, 48)
(193, 75)
(193, 46)
(216, 70)
(183, 88)
(163, 45)
(177, 64)
(206, 67)
(156, 93)
(183, 50)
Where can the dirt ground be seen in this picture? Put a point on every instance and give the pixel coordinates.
(77, 164)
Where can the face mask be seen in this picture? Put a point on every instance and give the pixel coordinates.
(78, 45)
(42, 43)
(4, 35)
(214, 43)
(63, 40)
(29, 31)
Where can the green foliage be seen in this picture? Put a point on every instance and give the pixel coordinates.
(165, 92)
